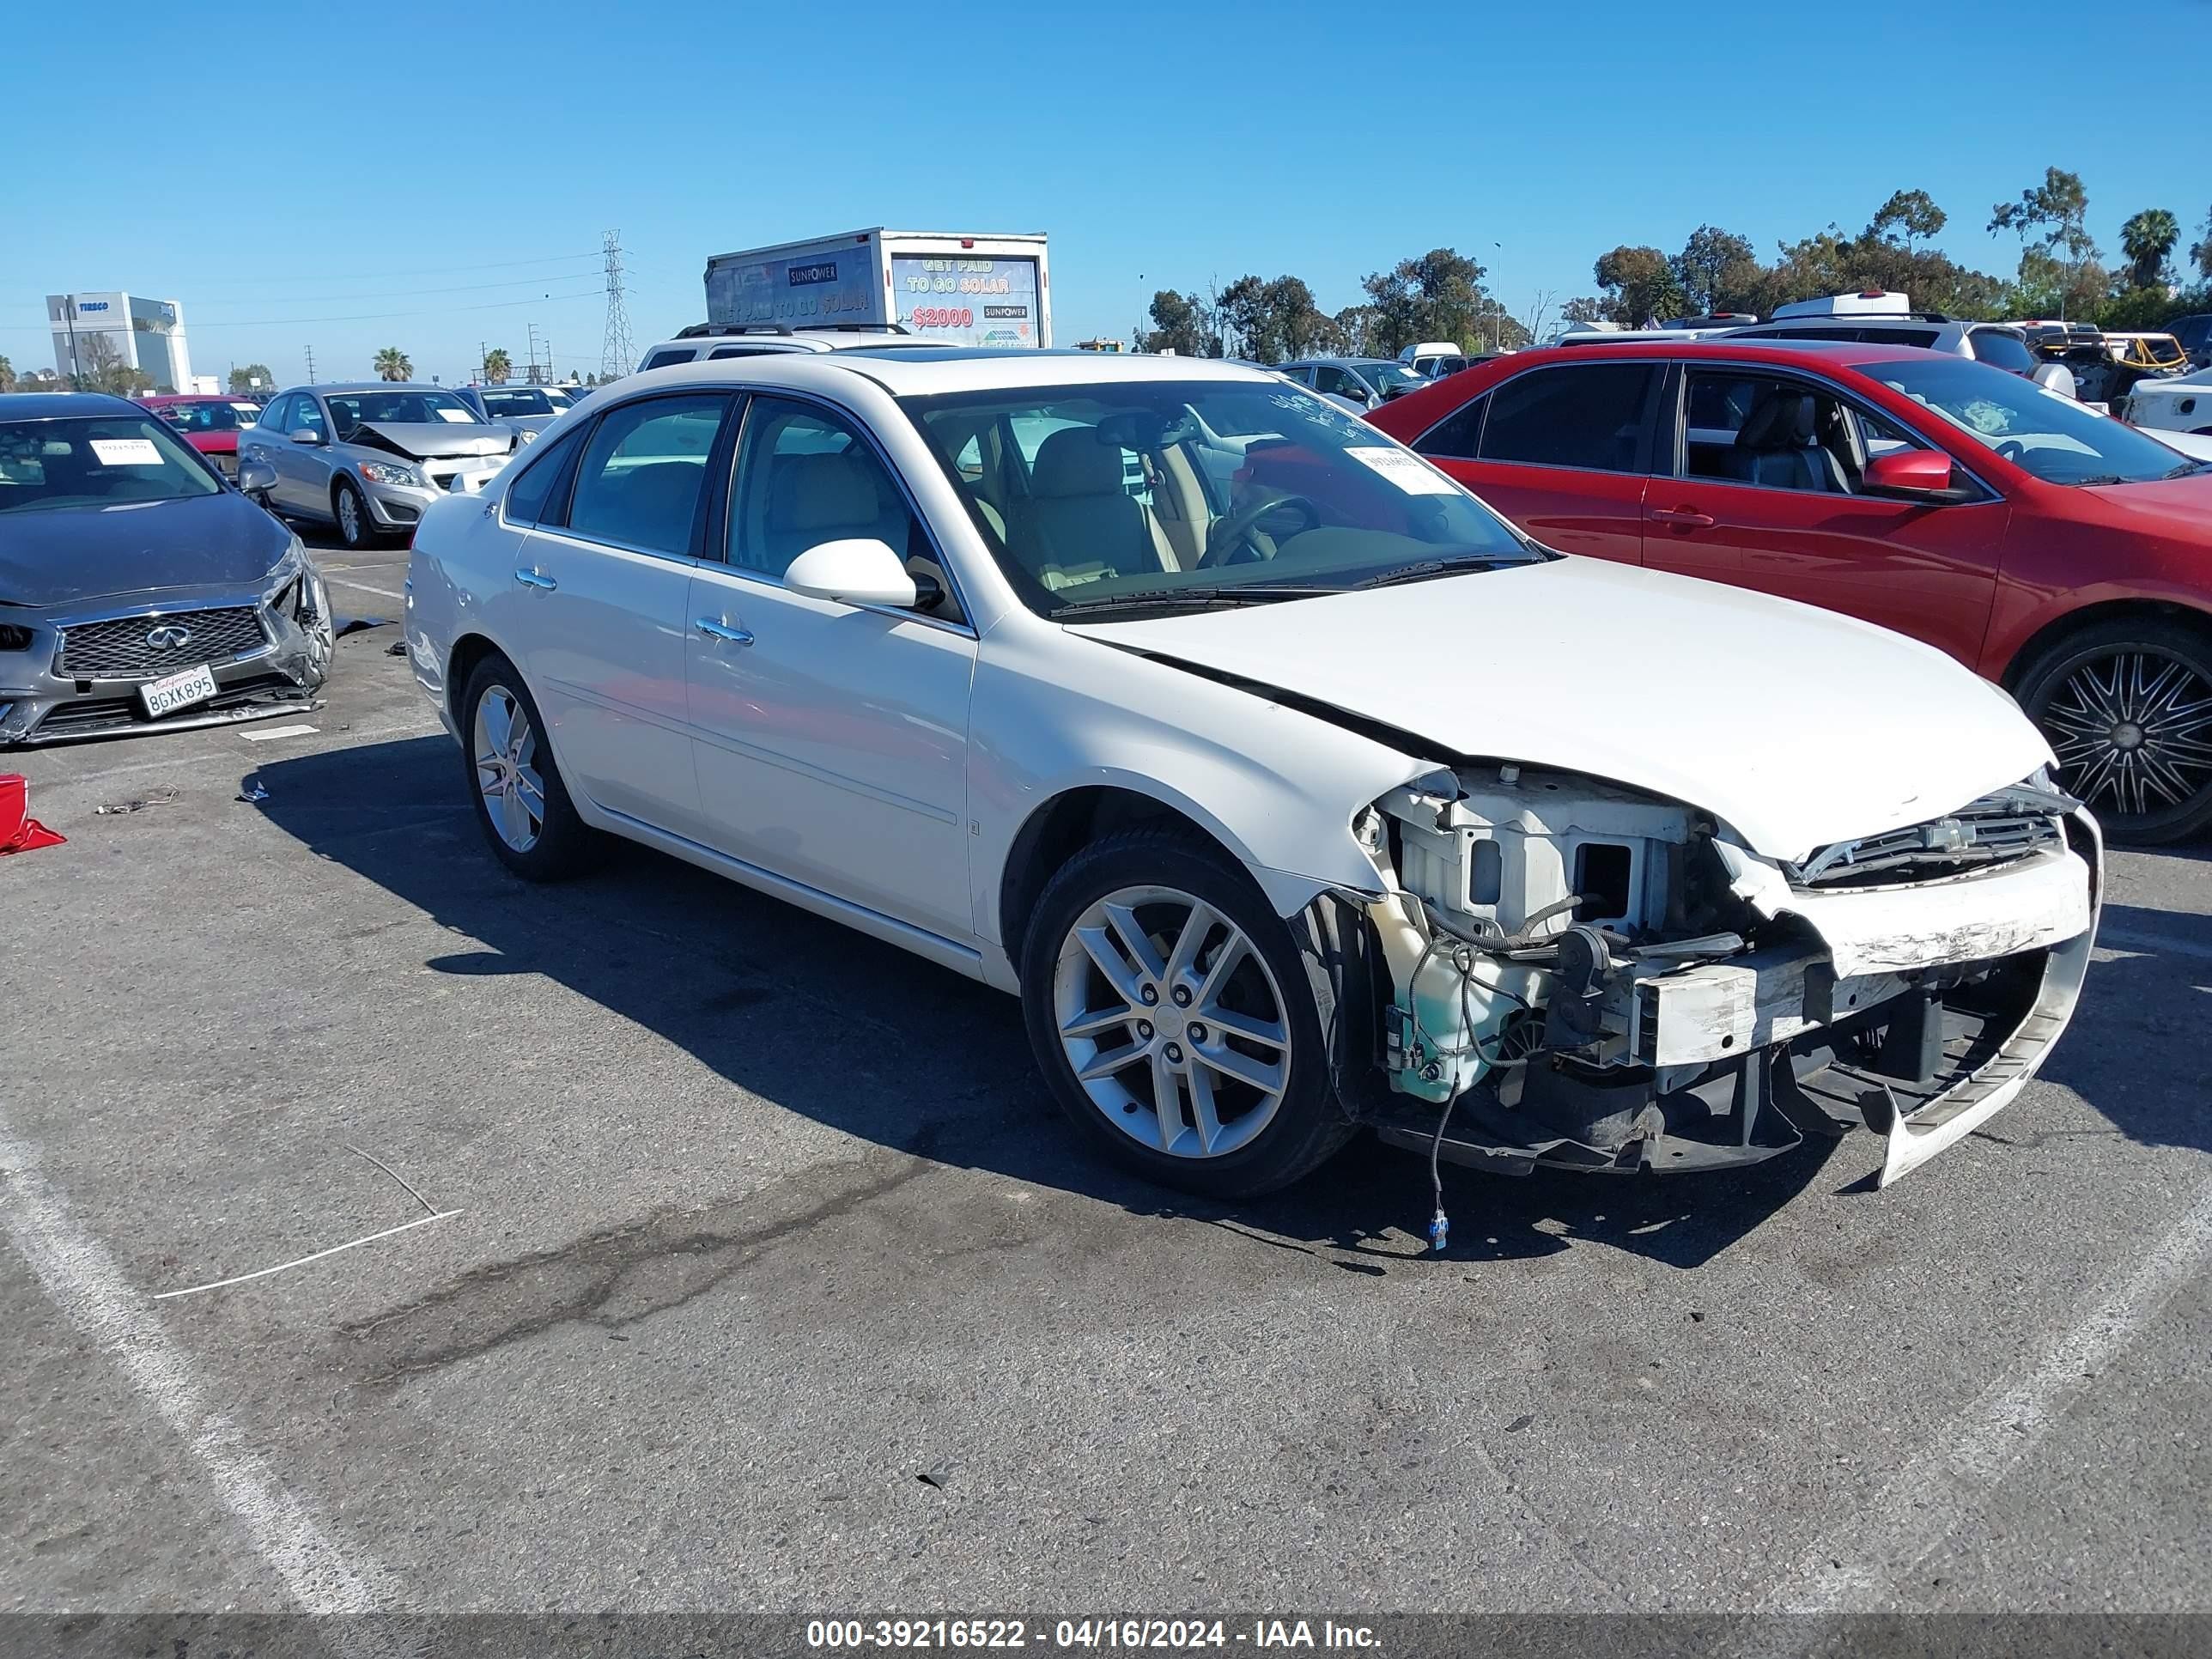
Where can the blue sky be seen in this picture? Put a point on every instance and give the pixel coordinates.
(281, 170)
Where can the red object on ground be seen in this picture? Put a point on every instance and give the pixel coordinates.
(19, 831)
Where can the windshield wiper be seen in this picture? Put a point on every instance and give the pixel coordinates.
(1196, 599)
(1430, 569)
(2188, 467)
(2100, 478)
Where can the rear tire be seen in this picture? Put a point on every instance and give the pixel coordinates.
(1154, 971)
(522, 804)
(2127, 706)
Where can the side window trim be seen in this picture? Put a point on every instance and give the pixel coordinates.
(862, 431)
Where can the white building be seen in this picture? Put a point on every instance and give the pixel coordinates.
(145, 334)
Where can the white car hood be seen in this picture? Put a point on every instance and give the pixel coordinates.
(1794, 726)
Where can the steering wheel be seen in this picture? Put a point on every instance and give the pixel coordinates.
(1229, 532)
(2012, 449)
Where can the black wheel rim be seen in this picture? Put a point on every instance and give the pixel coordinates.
(2132, 730)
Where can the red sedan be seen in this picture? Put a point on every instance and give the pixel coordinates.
(209, 424)
(2063, 554)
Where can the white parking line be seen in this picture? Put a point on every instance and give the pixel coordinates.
(82, 1281)
(336, 579)
(1984, 1442)
(372, 734)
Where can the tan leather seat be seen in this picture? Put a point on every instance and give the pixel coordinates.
(1079, 522)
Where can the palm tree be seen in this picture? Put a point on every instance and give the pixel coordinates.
(497, 366)
(2146, 239)
(7, 375)
(392, 364)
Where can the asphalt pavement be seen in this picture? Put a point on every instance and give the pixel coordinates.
(751, 1268)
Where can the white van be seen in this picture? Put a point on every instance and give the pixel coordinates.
(1433, 359)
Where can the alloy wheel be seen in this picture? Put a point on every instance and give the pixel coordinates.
(505, 750)
(349, 516)
(1171, 1022)
(2132, 730)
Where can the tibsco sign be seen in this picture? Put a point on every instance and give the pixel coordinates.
(965, 300)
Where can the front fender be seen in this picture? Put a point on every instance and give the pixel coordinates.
(1276, 787)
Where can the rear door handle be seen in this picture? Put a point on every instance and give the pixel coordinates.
(535, 579)
(1682, 517)
(721, 630)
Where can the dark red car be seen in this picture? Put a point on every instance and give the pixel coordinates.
(2063, 554)
(209, 424)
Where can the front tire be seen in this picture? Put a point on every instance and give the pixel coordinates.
(356, 530)
(522, 805)
(2127, 708)
(1173, 1018)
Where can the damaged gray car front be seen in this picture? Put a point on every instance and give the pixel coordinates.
(138, 591)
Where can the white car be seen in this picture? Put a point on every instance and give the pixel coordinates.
(720, 342)
(2181, 404)
(1888, 319)
(1291, 789)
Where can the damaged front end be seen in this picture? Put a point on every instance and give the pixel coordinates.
(1577, 973)
(69, 672)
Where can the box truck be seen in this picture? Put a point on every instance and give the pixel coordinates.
(942, 285)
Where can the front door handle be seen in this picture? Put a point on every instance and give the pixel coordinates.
(1682, 517)
(533, 578)
(721, 630)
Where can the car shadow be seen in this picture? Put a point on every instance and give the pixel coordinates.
(2136, 1051)
(869, 1040)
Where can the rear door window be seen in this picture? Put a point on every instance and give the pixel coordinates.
(532, 495)
(1591, 415)
(1454, 437)
(644, 471)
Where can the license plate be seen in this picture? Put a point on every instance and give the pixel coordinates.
(175, 691)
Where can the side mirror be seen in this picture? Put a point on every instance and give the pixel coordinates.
(860, 571)
(2056, 377)
(256, 476)
(306, 434)
(1910, 472)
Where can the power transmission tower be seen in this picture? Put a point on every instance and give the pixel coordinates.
(616, 355)
(311, 365)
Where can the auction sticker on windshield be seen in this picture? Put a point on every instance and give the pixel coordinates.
(1409, 472)
(126, 451)
(175, 691)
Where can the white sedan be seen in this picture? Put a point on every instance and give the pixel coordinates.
(1291, 789)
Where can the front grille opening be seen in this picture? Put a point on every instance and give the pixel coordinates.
(1602, 870)
(1987, 833)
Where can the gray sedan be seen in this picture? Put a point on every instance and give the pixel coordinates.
(369, 457)
(138, 591)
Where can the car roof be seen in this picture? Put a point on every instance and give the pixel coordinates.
(328, 386)
(922, 372)
(1849, 353)
(153, 398)
(62, 405)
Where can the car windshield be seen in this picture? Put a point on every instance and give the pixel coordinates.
(2042, 432)
(525, 400)
(351, 409)
(110, 461)
(1156, 495)
(209, 418)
